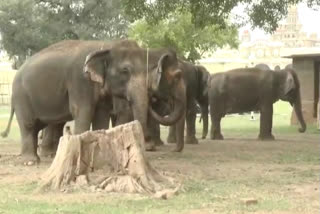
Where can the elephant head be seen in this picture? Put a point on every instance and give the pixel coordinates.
(203, 76)
(289, 91)
(128, 72)
(167, 86)
(263, 67)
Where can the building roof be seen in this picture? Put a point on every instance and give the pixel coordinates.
(306, 55)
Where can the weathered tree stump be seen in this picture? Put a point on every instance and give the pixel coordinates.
(118, 152)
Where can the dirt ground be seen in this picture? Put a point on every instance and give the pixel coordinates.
(218, 177)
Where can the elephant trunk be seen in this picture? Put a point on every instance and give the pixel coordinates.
(179, 103)
(204, 115)
(138, 99)
(298, 110)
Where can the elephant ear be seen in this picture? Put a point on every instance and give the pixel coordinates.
(95, 65)
(165, 61)
(204, 76)
(289, 83)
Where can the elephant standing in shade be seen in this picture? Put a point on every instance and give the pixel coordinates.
(75, 80)
(196, 78)
(252, 89)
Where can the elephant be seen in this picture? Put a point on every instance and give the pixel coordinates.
(75, 80)
(277, 68)
(250, 89)
(263, 66)
(50, 139)
(196, 78)
(123, 114)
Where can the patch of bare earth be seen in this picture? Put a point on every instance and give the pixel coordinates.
(231, 159)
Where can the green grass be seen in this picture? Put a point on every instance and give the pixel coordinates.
(242, 126)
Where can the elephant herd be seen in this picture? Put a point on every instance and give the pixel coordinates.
(95, 82)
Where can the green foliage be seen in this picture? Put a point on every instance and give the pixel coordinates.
(26, 26)
(178, 32)
(264, 14)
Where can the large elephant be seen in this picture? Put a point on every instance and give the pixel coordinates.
(76, 79)
(250, 89)
(196, 78)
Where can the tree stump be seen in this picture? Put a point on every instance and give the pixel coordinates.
(118, 153)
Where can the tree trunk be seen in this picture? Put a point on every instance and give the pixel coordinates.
(118, 153)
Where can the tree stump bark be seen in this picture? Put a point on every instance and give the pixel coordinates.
(118, 152)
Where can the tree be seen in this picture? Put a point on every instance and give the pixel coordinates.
(178, 32)
(264, 14)
(26, 26)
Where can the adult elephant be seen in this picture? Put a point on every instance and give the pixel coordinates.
(250, 89)
(196, 78)
(51, 87)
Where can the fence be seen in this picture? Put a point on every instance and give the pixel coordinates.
(6, 78)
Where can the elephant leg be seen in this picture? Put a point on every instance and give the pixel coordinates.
(82, 121)
(156, 133)
(191, 129)
(101, 116)
(29, 129)
(172, 134)
(204, 114)
(180, 134)
(266, 113)
(216, 127)
(50, 139)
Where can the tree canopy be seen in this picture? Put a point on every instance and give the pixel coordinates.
(27, 26)
(190, 26)
(264, 14)
(178, 32)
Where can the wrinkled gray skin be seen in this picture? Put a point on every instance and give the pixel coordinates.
(250, 89)
(169, 87)
(196, 78)
(123, 114)
(73, 80)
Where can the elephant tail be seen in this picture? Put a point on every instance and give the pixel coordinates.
(6, 132)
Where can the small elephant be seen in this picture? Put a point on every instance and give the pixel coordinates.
(252, 89)
(196, 78)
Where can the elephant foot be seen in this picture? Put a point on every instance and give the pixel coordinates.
(266, 137)
(217, 137)
(171, 139)
(29, 160)
(178, 148)
(159, 142)
(191, 140)
(47, 151)
(150, 146)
